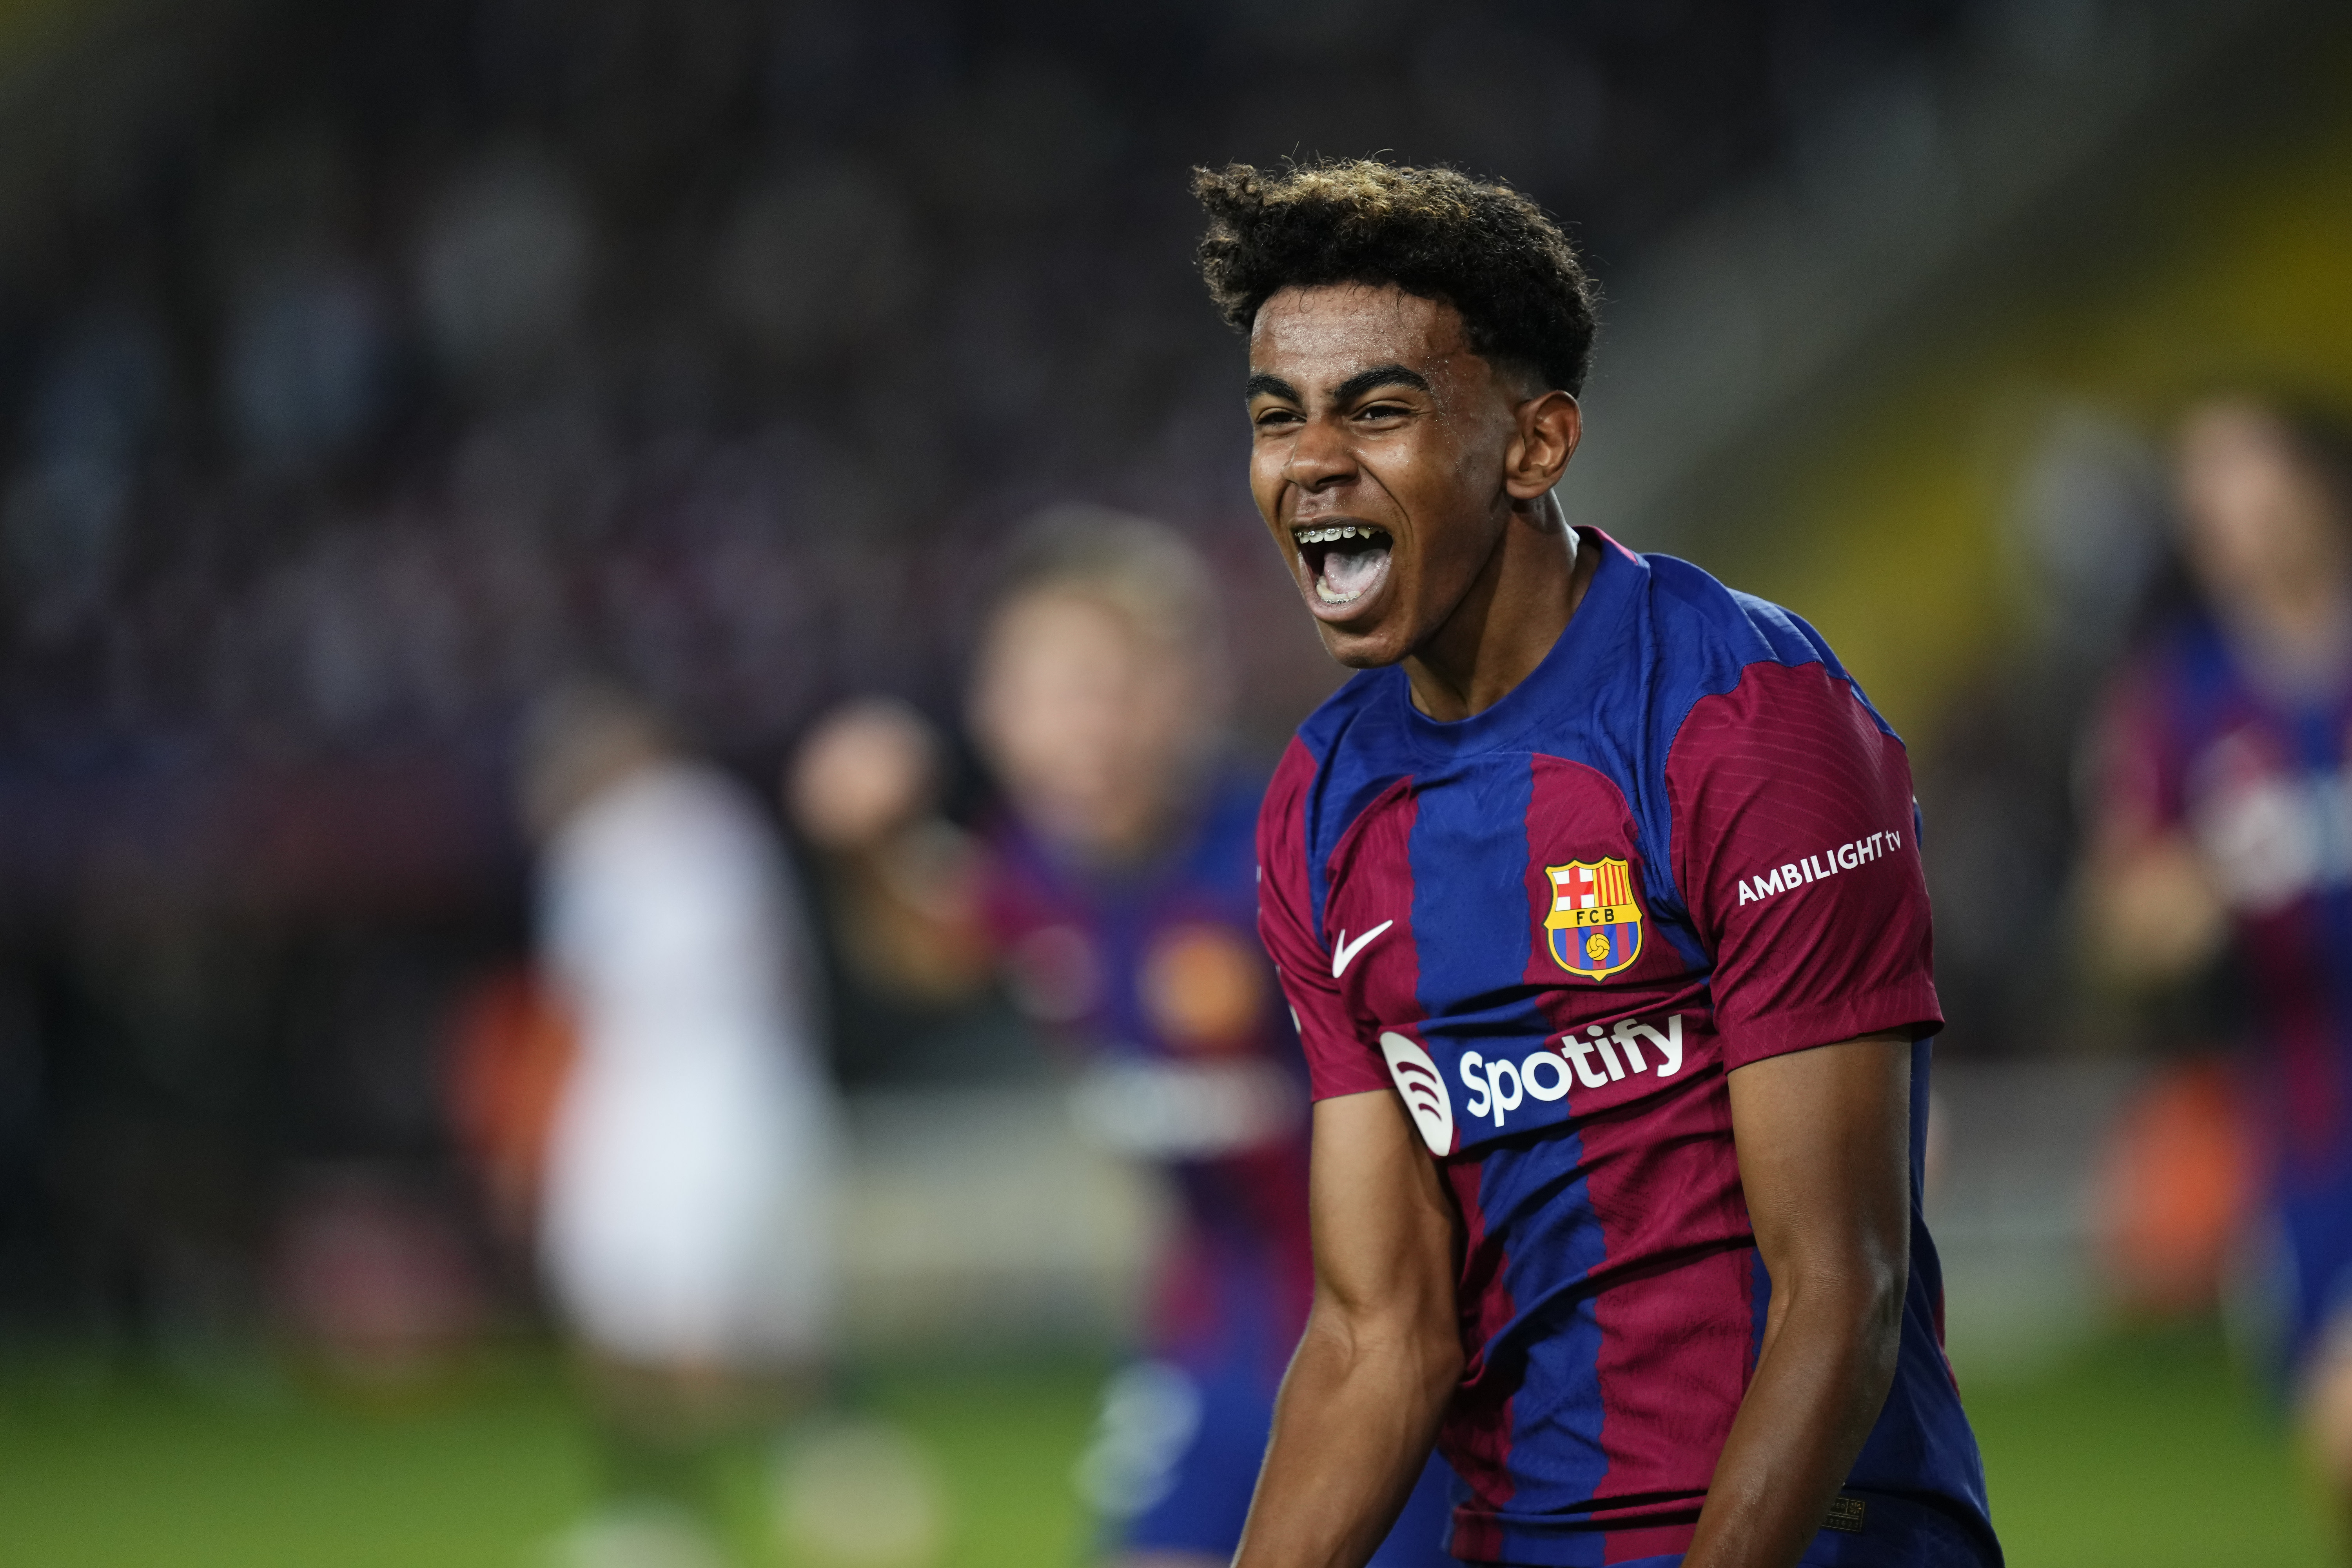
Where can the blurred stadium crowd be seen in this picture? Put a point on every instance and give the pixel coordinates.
(365, 371)
(487, 486)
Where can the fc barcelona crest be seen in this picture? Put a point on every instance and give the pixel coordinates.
(1595, 926)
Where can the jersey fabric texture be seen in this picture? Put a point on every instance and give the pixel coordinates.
(1155, 980)
(2263, 783)
(1685, 843)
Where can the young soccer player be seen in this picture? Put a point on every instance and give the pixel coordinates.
(1597, 896)
(1115, 895)
(2222, 832)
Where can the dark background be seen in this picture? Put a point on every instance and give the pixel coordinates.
(366, 370)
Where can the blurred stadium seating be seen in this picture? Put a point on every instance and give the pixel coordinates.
(364, 369)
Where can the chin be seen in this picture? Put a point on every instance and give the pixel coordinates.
(1361, 650)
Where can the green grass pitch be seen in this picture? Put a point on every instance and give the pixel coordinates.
(2138, 1450)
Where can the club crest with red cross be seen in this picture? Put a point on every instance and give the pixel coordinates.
(1595, 926)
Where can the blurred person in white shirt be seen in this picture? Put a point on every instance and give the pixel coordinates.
(687, 1223)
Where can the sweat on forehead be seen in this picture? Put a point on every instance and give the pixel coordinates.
(1344, 342)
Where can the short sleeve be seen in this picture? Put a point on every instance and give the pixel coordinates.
(1337, 1060)
(1795, 844)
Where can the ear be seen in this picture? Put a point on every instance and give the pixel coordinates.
(1549, 428)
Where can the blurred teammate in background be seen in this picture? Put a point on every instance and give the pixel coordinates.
(688, 1191)
(2224, 832)
(1116, 898)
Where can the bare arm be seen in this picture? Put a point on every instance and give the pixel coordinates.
(1823, 1138)
(1381, 1352)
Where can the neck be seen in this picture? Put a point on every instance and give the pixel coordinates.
(1508, 620)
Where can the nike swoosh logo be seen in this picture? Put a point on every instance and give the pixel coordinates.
(1347, 950)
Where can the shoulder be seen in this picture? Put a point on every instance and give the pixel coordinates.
(1351, 736)
(1711, 635)
(666, 809)
(682, 841)
(1760, 723)
(1282, 809)
(1352, 719)
(1729, 659)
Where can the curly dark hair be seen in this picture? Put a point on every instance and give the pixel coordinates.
(1484, 249)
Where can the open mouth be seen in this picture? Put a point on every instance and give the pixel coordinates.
(1345, 561)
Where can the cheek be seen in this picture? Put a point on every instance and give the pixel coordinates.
(1265, 481)
(1480, 450)
(1423, 481)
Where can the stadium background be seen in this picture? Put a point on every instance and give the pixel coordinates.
(364, 369)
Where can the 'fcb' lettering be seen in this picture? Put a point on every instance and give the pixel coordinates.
(1594, 926)
(1817, 867)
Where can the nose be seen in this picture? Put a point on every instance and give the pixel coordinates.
(1319, 458)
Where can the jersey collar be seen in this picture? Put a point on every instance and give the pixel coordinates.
(1583, 658)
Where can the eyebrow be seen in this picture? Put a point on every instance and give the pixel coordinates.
(1380, 376)
(1348, 391)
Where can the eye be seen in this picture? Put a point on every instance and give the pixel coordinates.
(1268, 418)
(1381, 413)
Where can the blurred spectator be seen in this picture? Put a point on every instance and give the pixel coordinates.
(2223, 840)
(823, 258)
(625, 291)
(306, 365)
(503, 268)
(92, 423)
(1117, 897)
(688, 1196)
(362, 368)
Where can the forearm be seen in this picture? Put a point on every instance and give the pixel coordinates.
(906, 912)
(1828, 1358)
(1357, 1415)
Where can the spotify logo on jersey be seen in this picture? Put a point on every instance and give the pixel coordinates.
(1417, 1079)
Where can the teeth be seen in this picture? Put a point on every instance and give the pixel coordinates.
(1332, 535)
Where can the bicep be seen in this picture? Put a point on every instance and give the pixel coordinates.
(1385, 1229)
(1824, 1146)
